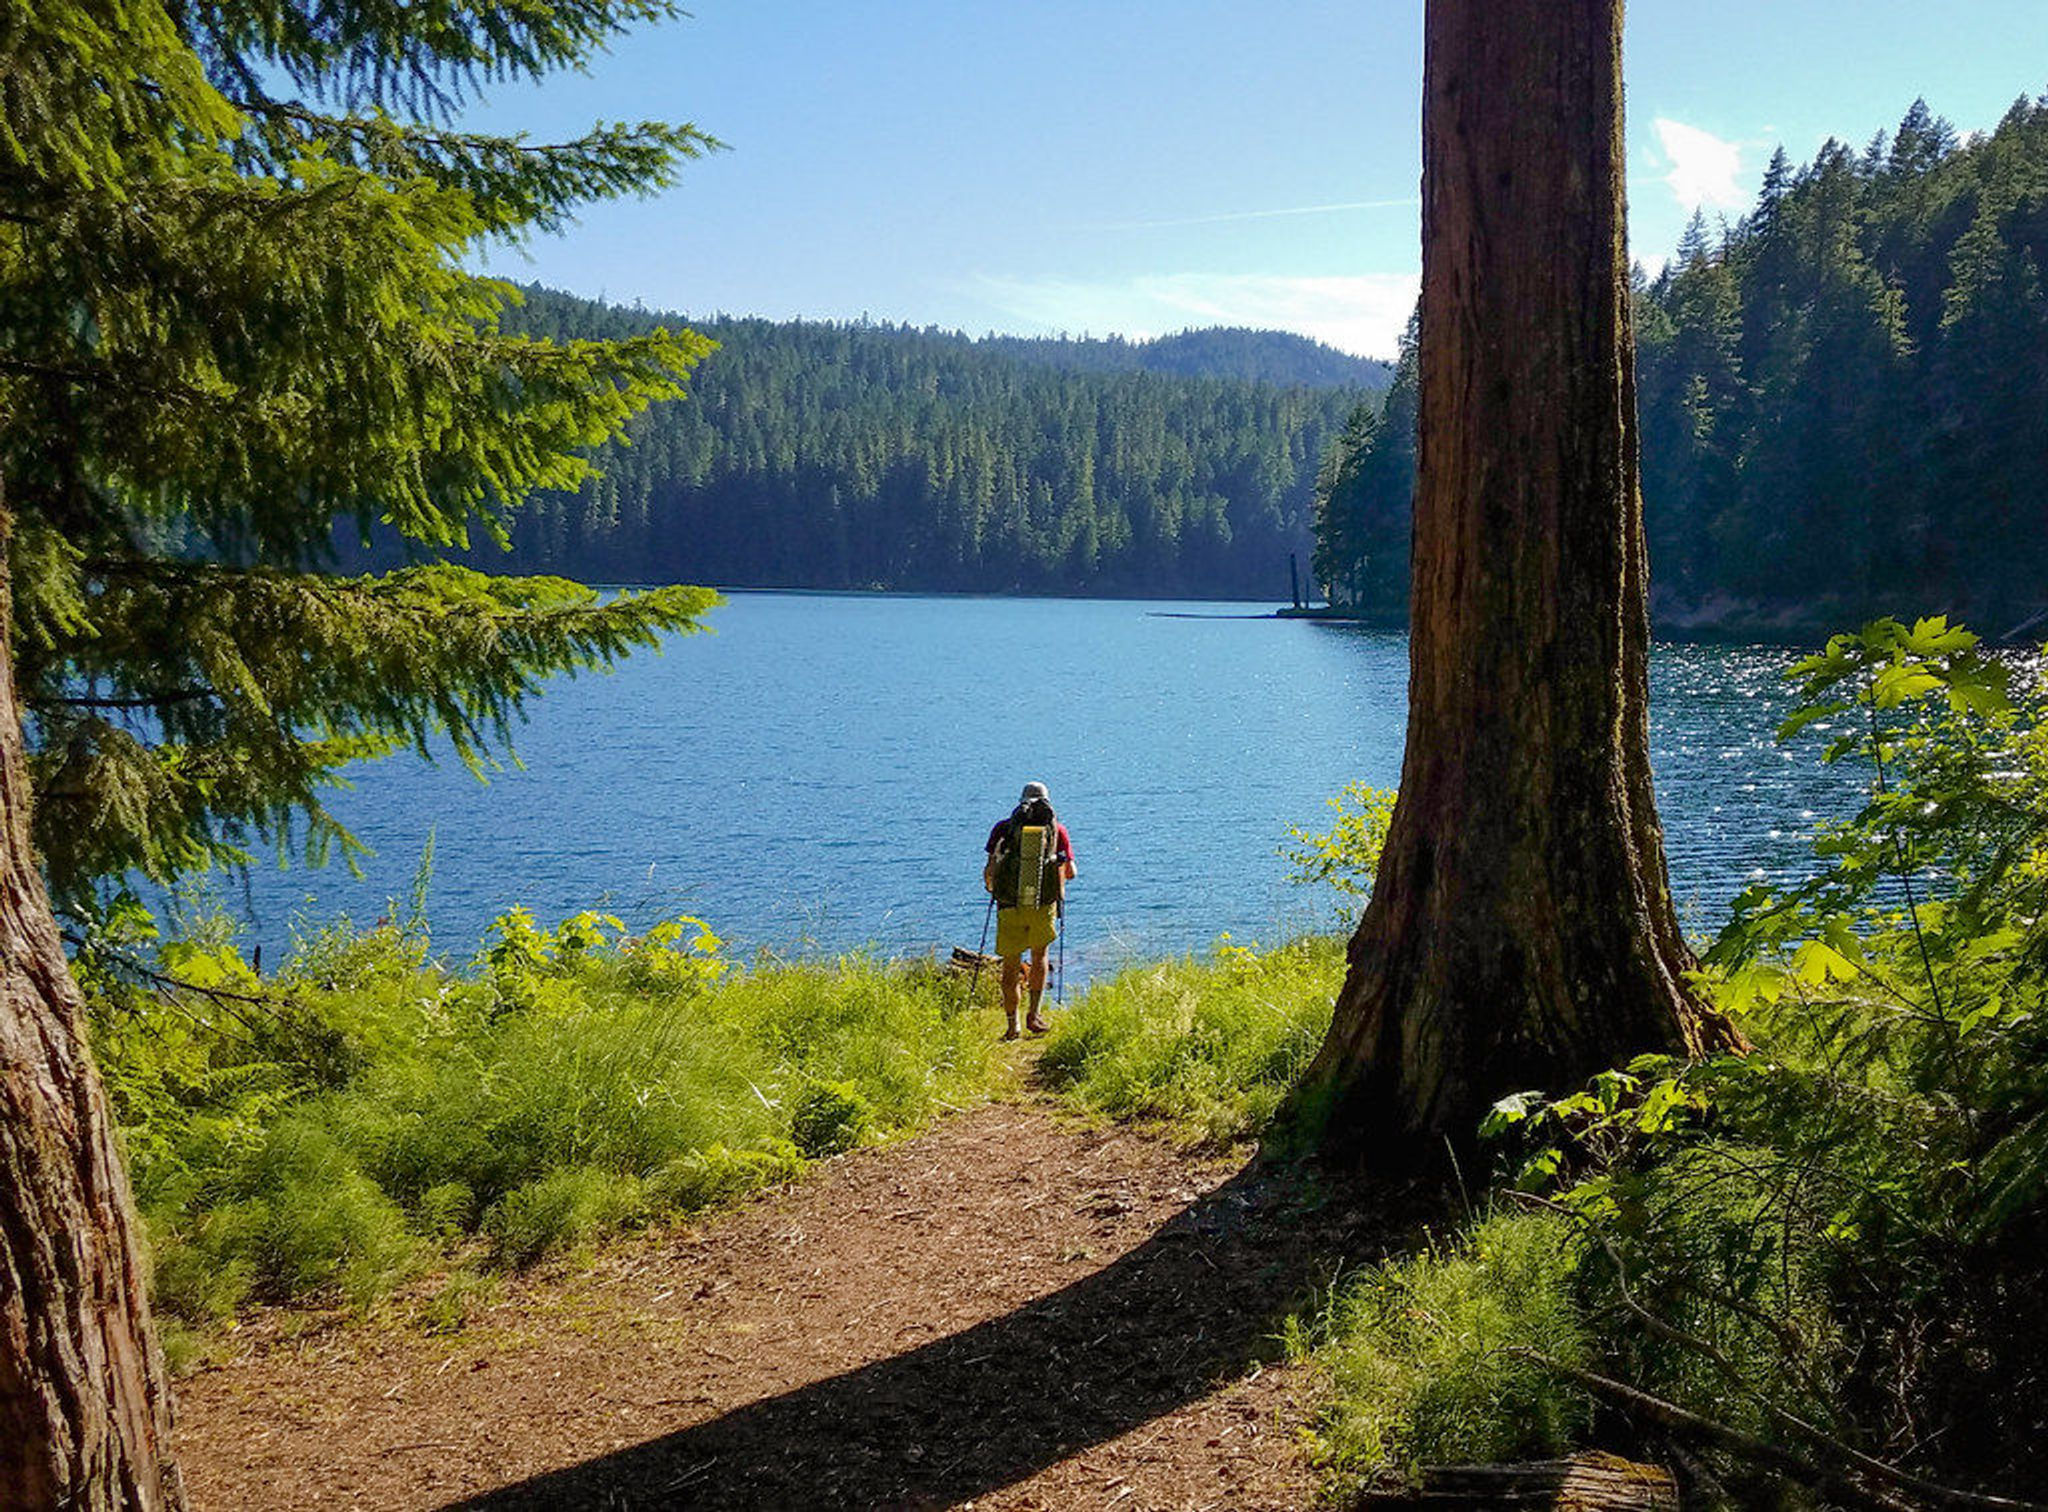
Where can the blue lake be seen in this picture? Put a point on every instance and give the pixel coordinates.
(820, 772)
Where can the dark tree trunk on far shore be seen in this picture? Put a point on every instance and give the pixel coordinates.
(84, 1408)
(1521, 932)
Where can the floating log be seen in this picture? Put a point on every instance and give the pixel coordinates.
(1583, 1483)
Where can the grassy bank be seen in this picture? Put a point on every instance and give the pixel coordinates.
(372, 1112)
(1206, 1046)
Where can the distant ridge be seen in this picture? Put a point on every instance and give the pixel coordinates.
(1277, 357)
(1281, 358)
(856, 454)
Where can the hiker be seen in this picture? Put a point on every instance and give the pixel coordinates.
(1030, 862)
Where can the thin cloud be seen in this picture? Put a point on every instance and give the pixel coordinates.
(1224, 217)
(1704, 171)
(1361, 313)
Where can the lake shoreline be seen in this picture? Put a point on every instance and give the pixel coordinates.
(1759, 633)
(1786, 628)
(819, 773)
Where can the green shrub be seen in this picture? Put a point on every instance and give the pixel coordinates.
(457, 1300)
(561, 1210)
(1840, 1235)
(185, 1348)
(325, 1225)
(1346, 856)
(829, 1118)
(594, 1079)
(291, 1216)
(1211, 1046)
(716, 1174)
(205, 1267)
(1424, 1357)
(446, 1210)
(891, 1030)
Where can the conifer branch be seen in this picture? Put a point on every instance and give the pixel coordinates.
(135, 701)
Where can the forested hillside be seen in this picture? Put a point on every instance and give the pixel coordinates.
(834, 455)
(1844, 399)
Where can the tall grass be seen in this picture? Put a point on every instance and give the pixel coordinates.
(324, 1135)
(1209, 1045)
(1427, 1358)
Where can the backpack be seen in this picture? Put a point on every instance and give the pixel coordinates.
(1028, 858)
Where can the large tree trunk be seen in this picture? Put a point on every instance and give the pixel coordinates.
(84, 1410)
(1521, 932)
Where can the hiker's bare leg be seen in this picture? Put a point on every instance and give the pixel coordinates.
(1036, 1021)
(1013, 971)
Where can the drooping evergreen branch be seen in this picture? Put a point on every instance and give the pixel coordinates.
(516, 184)
(130, 966)
(236, 321)
(303, 675)
(155, 699)
(426, 58)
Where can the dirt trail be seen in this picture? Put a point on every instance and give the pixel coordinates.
(1012, 1311)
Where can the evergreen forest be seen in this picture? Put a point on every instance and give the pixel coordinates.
(821, 455)
(1844, 399)
(559, 1217)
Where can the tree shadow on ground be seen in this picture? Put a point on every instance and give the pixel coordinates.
(1193, 1306)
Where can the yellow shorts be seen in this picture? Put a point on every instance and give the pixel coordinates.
(1022, 929)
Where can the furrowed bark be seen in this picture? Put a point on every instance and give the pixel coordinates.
(1521, 932)
(84, 1405)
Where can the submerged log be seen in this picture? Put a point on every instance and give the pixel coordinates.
(1583, 1483)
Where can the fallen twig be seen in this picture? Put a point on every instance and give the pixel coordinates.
(1676, 1419)
(1815, 1437)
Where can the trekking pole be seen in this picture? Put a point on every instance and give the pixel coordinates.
(974, 979)
(1062, 998)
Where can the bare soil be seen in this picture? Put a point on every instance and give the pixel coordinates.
(1015, 1310)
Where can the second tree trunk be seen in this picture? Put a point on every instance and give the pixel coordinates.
(1521, 931)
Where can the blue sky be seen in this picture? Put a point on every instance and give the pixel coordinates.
(1145, 165)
